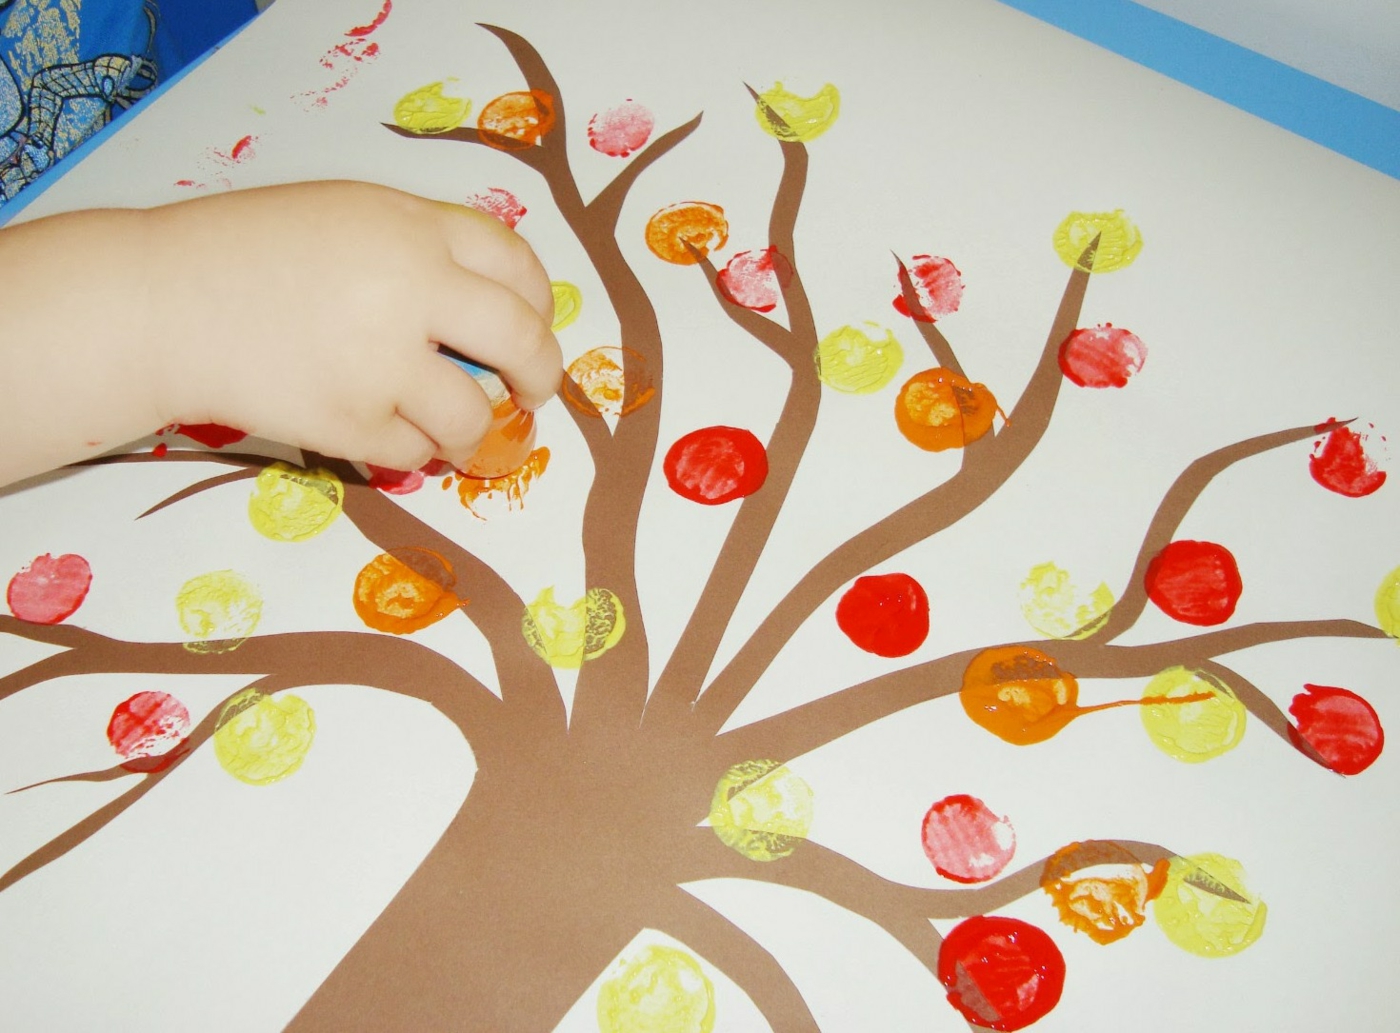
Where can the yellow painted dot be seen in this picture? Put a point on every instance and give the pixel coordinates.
(1054, 606)
(428, 110)
(1119, 240)
(1197, 731)
(568, 302)
(565, 636)
(218, 611)
(1388, 604)
(290, 504)
(1205, 907)
(850, 360)
(260, 739)
(799, 118)
(761, 809)
(657, 990)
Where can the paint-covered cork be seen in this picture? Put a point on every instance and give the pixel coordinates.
(509, 441)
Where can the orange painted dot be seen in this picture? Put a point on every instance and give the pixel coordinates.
(938, 409)
(405, 590)
(608, 381)
(511, 488)
(514, 121)
(697, 223)
(1019, 694)
(1100, 889)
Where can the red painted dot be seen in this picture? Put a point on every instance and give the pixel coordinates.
(49, 589)
(937, 284)
(1194, 582)
(161, 449)
(714, 465)
(394, 482)
(1001, 973)
(499, 204)
(1340, 462)
(966, 840)
(148, 730)
(619, 131)
(755, 279)
(885, 614)
(213, 435)
(1104, 356)
(1341, 726)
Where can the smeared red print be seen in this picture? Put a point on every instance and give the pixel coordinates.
(213, 435)
(1001, 973)
(148, 731)
(755, 279)
(937, 284)
(1340, 462)
(50, 589)
(885, 614)
(715, 465)
(1102, 356)
(500, 204)
(160, 449)
(1339, 725)
(1194, 582)
(346, 59)
(365, 30)
(966, 840)
(394, 482)
(215, 164)
(619, 131)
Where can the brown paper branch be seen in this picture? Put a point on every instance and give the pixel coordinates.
(1262, 707)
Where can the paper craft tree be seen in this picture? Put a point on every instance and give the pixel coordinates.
(640, 785)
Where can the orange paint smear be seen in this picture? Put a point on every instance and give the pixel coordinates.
(596, 385)
(515, 121)
(405, 590)
(1100, 889)
(938, 409)
(512, 487)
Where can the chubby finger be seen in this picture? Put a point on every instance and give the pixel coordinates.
(487, 247)
(397, 444)
(449, 407)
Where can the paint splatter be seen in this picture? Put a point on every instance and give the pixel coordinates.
(49, 589)
(1054, 606)
(211, 435)
(215, 165)
(608, 381)
(1206, 908)
(1192, 732)
(966, 840)
(1339, 725)
(937, 284)
(148, 731)
(1100, 889)
(1194, 582)
(1102, 356)
(619, 131)
(1001, 973)
(795, 119)
(395, 482)
(715, 465)
(1388, 604)
(160, 450)
(219, 611)
(565, 636)
(699, 224)
(568, 303)
(429, 110)
(1119, 240)
(938, 409)
(511, 489)
(346, 59)
(659, 989)
(499, 204)
(884, 614)
(261, 739)
(761, 809)
(756, 279)
(851, 361)
(290, 504)
(1345, 461)
(517, 120)
(405, 590)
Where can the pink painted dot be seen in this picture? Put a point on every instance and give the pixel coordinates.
(394, 482)
(49, 589)
(965, 840)
(755, 279)
(499, 204)
(619, 131)
(937, 284)
(148, 730)
(1102, 356)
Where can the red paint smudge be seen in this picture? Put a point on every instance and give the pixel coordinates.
(148, 731)
(619, 131)
(213, 435)
(500, 204)
(1339, 725)
(185, 183)
(1104, 356)
(49, 590)
(394, 482)
(1001, 973)
(365, 30)
(967, 841)
(161, 449)
(715, 465)
(1194, 582)
(937, 284)
(755, 279)
(1340, 463)
(885, 614)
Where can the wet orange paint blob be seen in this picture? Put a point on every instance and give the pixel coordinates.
(608, 381)
(405, 590)
(1100, 889)
(697, 223)
(514, 121)
(512, 487)
(938, 409)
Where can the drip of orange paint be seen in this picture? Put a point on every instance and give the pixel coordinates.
(512, 486)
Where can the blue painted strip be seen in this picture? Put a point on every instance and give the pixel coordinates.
(1313, 108)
